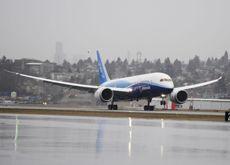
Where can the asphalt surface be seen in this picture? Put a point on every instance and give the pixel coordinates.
(207, 115)
(67, 140)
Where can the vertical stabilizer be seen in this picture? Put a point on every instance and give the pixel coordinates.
(103, 75)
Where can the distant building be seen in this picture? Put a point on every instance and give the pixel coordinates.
(60, 76)
(59, 56)
(34, 67)
(47, 67)
(40, 68)
(20, 64)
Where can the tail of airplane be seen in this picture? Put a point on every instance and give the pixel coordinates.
(103, 75)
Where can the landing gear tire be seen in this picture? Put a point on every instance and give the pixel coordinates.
(163, 102)
(227, 115)
(149, 108)
(115, 107)
(112, 107)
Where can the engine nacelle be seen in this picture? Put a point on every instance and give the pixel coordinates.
(104, 94)
(179, 96)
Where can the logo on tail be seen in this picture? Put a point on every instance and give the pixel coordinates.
(103, 75)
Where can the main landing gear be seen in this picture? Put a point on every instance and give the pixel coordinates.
(149, 107)
(227, 115)
(112, 106)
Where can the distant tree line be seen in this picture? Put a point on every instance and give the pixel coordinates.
(85, 71)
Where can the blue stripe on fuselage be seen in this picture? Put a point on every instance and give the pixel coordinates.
(141, 89)
(149, 90)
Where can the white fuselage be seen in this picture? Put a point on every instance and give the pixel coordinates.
(142, 86)
(160, 79)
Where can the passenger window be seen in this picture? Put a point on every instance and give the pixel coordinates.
(165, 79)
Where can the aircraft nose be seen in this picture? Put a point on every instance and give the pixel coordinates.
(170, 85)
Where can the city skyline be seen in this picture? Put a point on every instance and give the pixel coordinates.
(59, 57)
(158, 29)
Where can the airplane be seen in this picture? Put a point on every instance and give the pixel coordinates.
(145, 86)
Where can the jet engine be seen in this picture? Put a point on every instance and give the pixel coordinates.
(179, 96)
(104, 94)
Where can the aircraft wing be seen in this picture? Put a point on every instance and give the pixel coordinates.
(209, 100)
(89, 88)
(197, 85)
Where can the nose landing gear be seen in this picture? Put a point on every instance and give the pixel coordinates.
(149, 107)
(163, 102)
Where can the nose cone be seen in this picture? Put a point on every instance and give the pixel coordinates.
(170, 85)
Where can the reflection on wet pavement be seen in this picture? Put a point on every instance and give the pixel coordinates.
(30, 139)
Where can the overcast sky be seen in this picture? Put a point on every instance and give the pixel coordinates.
(158, 28)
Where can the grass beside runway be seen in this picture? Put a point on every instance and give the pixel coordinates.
(172, 115)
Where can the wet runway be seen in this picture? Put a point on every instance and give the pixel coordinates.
(45, 140)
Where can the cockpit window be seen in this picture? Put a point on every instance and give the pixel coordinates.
(165, 79)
